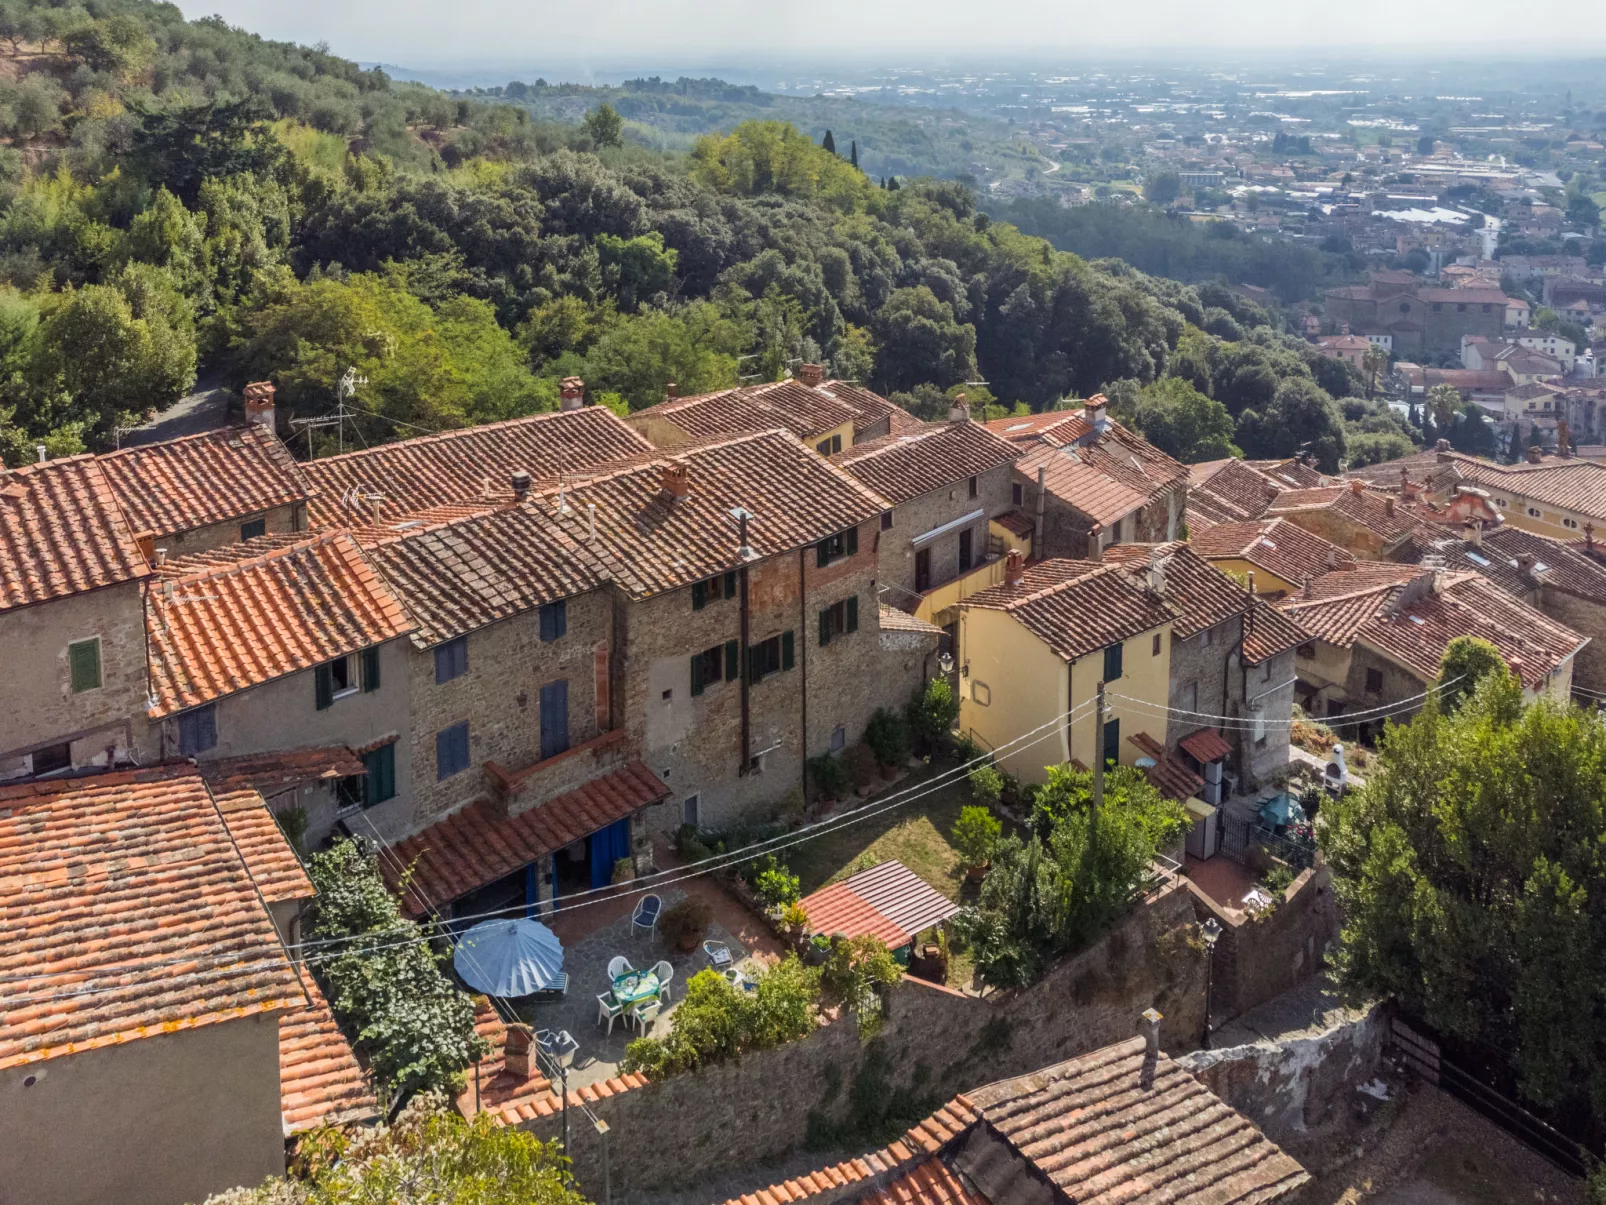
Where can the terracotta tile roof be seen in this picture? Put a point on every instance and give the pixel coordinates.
(1268, 631)
(1198, 594)
(1228, 490)
(62, 532)
(1206, 745)
(479, 845)
(869, 408)
(1121, 457)
(790, 405)
(1094, 1130)
(320, 1081)
(930, 1183)
(894, 620)
(127, 909)
(1167, 775)
(457, 577)
(1077, 607)
(1054, 426)
(1356, 578)
(200, 480)
(1559, 566)
(1014, 522)
(291, 767)
(888, 901)
(226, 629)
(460, 466)
(1290, 473)
(1073, 480)
(175, 567)
(273, 864)
(1379, 513)
(648, 543)
(1574, 485)
(1278, 546)
(905, 466)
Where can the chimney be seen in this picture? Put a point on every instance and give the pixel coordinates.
(1525, 564)
(1475, 534)
(811, 374)
(1409, 490)
(571, 393)
(671, 391)
(1095, 411)
(744, 550)
(259, 404)
(1038, 540)
(1589, 536)
(1388, 506)
(519, 479)
(1251, 582)
(1149, 1027)
(676, 480)
(1356, 485)
(1014, 567)
(519, 1053)
(1535, 454)
(1308, 591)
(42, 452)
(1094, 552)
(147, 546)
(959, 412)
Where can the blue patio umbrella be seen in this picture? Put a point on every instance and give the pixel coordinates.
(508, 957)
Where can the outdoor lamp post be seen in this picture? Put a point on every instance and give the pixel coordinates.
(1211, 931)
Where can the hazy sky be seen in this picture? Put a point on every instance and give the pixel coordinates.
(594, 35)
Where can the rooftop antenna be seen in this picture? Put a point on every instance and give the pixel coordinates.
(336, 418)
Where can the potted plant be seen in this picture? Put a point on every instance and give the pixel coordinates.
(624, 870)
(816, 950)
(975, 835)
(887, 735)
(684, 925)
(793, 921)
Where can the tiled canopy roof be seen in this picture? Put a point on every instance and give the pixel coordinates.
(1054, 426)
(1077, 607)
(649, 542)
(904, 466)
(479, 845)
(1279, 546)
(125, 911)
(61, 533)
(1224, 491)
(217, 632)
(1198, 594)
(791, 405)
(200, 480)
(320, 1081)
(1167, 775)
(465, 466)
(1206, 745)
(888, 901)
(273, 864)
(460, 576)
(1379, 513)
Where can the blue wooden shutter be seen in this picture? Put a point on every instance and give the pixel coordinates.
(554, 718)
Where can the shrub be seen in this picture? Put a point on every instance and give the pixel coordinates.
(932, 714)
(887, 734)
(860, 762)
(828, 776)
(794, 919)
(776, 886)
(986, 784)
(857, 972)
(293, 824)
(975, 835)
(717, 1022)
(689, 918)
(689, 844)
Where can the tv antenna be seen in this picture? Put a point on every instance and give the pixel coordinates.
(337, 417)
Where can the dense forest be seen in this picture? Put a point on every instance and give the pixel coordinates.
(180, 195)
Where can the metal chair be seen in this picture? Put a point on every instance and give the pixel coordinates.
(665, 972)
(645, 917)
(717, 953)
(618, 965)
(646, 1012)
(610, 1009)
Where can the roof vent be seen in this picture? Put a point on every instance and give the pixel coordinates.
(519, 479)
(1097, 411)
(1535, 454)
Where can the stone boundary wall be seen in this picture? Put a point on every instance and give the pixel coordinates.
(934, 1043)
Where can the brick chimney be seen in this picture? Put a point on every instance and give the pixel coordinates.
(519, 1052)
(1388, 507)
(1096, 410)
(571, 393)
(811, 374)
(1014, 567)
(1149, 1027)
(959, 412)
(519, 479)
(677, 480)
(1356, 485)
(1525, 563)
(671, 391)
(1536, 454)
(259, 404)
(1475, 534)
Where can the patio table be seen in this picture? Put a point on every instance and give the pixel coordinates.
(635, 986)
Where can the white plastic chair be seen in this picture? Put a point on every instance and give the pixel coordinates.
(618, 965)
(665, 972)
(609, 1008)
(646, 1013)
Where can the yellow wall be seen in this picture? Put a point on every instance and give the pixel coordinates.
(1549, 522)
(1020, 544)
(845, 431)
(1266, 582)
(1023, 683)
(948, 595)
(657, 430)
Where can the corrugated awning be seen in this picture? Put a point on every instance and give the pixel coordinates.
(888, 901)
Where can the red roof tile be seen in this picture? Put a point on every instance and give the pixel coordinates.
(240, 625)
(1267, 632)
(291, 767)
(869, 408)
(1573, 485)
(888, 901)
(930, 1183)
(1206, 745)
(1077, 607)
(200, 480)
(125, 911)
(462, 466)
(62, 532)
(1069, 477)
(1167, 775)
(1198, 594)
(320, 1081)
(1375, 512)
(479, 845)
(492, 1088)
(1225, 491)
(790, 405)
(900, 467)
(1055, 426)
(1278, 546)
(1016, 523)
(274, 866)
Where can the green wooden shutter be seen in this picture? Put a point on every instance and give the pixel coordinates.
(380, 781)
(733, 658)
(699, 595)
(821, 557)
(730, 584)
(787, 652)
(853, 613)
(752, 662)
(850, 542)
(323, 686)
(825, 627)
(697, 673)
(83, 664)
(370, 669)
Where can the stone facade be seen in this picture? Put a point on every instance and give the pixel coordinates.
(1065, 529)
(896, 551)
(1205, 676)
(1587, 619)
(1271, 685)
(42, 709)
(280, 519)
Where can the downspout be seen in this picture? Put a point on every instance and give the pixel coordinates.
(746, 668)
(803, 659)
(1042, 506)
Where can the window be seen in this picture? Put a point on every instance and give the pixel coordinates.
(1501, 503)
(1533, 512)
(1487, 307)
(839, 619)
(823, 447)
(964, 551)
(451, 660)
(715, 588)
(1374, 681)
(1569, 522)
(83, 664)
(1115, 532)
(706, 667)
(1112, 662)
(1017, 494)
(451, 751)
(886, 520)
(922, 571)
(839, 739)
(1258, 727)
(981, 693)
(1207, 637)
(1437, 306)
(554, 620)
(1461, 307)
(1112, 741)
(252, 528)
(1405, 307)
(197, 730)
(52, 758)
(1188, 697)
(973, 487)
(690, 809)
(769, 656)
(373, 787)
(345, 676)
(554, 718)
(1155, 651)
(834, 548)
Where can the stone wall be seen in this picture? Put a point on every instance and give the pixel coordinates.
(280, 519)
(1211, 669)
(934, 1044)
(894, 548)
(1587, 619)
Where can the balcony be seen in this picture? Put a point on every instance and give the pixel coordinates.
(930, 605)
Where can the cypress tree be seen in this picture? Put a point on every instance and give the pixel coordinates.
(853, 152)
(828, 142)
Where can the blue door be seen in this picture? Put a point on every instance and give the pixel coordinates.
(608, 845)
(554, 718)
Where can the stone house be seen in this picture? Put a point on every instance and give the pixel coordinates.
(1365, 523)
(1272, 557)
(1422, 319)
(71, 621)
